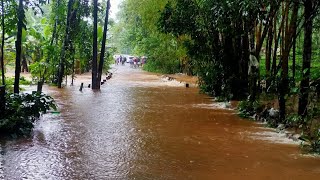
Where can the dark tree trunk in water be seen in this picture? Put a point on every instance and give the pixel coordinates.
(65, 46)
(18, 47)
(2, 43)
(103, 45)
(95, 46)
(307, 50)
(72, 76)
(39, 86)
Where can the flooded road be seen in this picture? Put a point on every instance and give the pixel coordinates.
(140, 126)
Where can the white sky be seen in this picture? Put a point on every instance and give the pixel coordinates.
(114, 8)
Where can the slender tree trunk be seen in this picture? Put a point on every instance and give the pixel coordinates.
(2, 88)
(307, 51)
(294, 58)
(252, 39)
(72, 51)
(72, 76)
(103, 45)
(283, 85)
(276, 40)
(245, 58)
(2, 43)
(258, 34)
(288, 39)
(18, 47)
(268, 54)
(95, 46)
(54, 29)
(54, 39)
(65, 46)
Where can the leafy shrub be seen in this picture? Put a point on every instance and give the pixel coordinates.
(311, 142)
(248, 108)
(170, 66)
(22, 110)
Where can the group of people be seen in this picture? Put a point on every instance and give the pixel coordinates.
(133, 61)
(120, 60)
(137, 62)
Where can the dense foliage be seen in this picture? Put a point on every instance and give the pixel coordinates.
(22, 111)
(238, 49)
(137, 33)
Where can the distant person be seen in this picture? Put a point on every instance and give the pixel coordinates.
(131, 62)
(120, 59)
(124, 60)
(138, 62)
(135, 62)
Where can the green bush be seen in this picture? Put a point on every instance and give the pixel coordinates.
(311, 142)
(248, 108)
(22, 110)
(167, 66)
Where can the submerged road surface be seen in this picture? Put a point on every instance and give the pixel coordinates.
(140, 126)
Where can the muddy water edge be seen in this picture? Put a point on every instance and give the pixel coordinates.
(140, 126)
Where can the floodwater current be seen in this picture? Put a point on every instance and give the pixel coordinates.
(141, 126)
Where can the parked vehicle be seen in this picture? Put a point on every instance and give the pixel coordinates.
(129, 59)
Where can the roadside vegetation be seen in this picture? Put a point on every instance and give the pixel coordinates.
(219, 41)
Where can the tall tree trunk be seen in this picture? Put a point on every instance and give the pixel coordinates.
(268, 54)
(258, 34)
(65, 46)
(294, 36)
(307, 51)
(263, 34)
(2, 88)
(245, 58)
(95, 46)
(18, 47)
(294, 45)
(2, 43)
(252, 38)
(288, 39)
(276, 40)
(103, 45)
(72, 76)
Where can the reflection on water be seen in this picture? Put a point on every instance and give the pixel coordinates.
(141, 127)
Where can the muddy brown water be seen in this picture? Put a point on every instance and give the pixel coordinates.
(139, 126)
